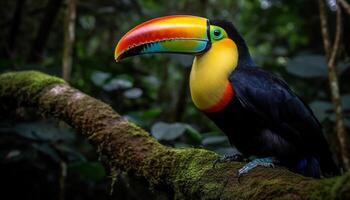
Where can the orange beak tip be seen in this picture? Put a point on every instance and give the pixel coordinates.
(117, 58)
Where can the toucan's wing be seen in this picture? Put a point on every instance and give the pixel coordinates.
(270, 99)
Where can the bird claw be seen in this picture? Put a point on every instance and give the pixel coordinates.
(234, 157)
(265, 162)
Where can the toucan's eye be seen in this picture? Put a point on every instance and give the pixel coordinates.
(217, 33)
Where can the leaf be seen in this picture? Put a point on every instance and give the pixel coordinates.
(117, 83)
(92, 45)
(47, 150)
(146, 114)
(181, 145)
(168, 131)
(88, 170)
(70, 153)
(193, 134)
(343, 66)
(143, 117)
(322, 109)
(87, 21)
(133, 93)
(347, 122)
(345, 99)
(213, 133)
(332, 4)
(307, 66)
(151, 80)
(99, 78)
(226, 151)
(12, 154)
(211, 140)
(43, 131)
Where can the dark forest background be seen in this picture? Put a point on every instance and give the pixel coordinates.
(42, 158)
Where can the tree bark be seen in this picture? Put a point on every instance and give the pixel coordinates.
(188, 172)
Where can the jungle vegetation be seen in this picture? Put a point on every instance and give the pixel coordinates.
(41, 155)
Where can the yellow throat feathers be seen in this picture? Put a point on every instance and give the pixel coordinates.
(210, 88)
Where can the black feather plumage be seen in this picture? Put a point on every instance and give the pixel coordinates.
(266, 119)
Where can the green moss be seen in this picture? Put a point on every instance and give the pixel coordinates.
(340, 186)
(330, 188)
(26, 85)
(157, 164)
(177, 166)
(195, 161)
(320, 191)
(137, 131)
(274, 187)
(191, 167)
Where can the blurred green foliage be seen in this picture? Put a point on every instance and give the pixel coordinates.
(283, 36)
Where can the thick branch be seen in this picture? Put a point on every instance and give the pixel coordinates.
(188, 172)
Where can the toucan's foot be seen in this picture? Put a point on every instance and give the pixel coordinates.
(265, 162)
(225, 158)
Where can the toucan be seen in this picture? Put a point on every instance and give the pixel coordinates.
(261, 116)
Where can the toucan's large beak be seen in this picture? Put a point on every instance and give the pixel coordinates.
(170, 34)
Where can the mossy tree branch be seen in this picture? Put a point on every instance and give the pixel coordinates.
(188, 172)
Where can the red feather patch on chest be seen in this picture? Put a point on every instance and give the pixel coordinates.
(225, 99)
